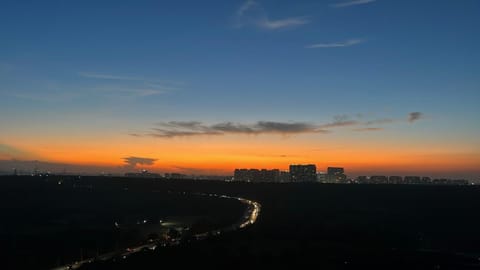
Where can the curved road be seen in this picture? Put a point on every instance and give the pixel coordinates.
(248, 218)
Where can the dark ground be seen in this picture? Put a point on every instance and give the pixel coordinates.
(45, 224)
(322, 226)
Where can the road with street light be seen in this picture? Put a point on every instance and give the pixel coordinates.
(248, 218)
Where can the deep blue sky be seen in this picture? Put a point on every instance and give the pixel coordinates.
(130, 64)
(414, 54)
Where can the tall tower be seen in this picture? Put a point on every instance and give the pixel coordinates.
(303, 173)
(336, 174)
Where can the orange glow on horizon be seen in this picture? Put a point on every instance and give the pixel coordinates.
(221, 155)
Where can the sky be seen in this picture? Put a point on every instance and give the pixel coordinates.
(203, 87)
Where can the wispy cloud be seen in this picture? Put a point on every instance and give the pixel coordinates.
(245, 7)
(283, 23)
(147, 81)
(149, 92)
(48, 92)
(252, 13)
(46, 96)
(108, 76)
(380, 121)
(130, 86)
(352, 3)
(414, 116)
(347, 43)
(142, 92)
(11, 152)
(340, 121)
(411, 117)
(194, 128)
(133, 161)
(172, 129)
(368, 129)
(340, 124)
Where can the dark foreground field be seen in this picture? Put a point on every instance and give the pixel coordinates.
(317, 226)
(320, 226)
(52, 221)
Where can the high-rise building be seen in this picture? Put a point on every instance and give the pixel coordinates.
(268, 175)
(256, 175)
(241, 175)
(284, 177)
(336, 174)
(303, 173)
(322, 178)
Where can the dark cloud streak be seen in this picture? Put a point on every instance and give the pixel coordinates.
(340, 121)
(340, 124)
(380, 121)
(193, 128)
(368, 129)
(133, 161)
(414, 116)
(174, 129)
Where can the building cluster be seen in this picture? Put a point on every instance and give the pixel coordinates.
(381, 179)
(303, 173)
(257, 175)
(296, 173)
(143, 174)
(174, 176)
(147, 174)
(334, 175)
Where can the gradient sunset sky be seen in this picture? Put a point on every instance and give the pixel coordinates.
(375, 86)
